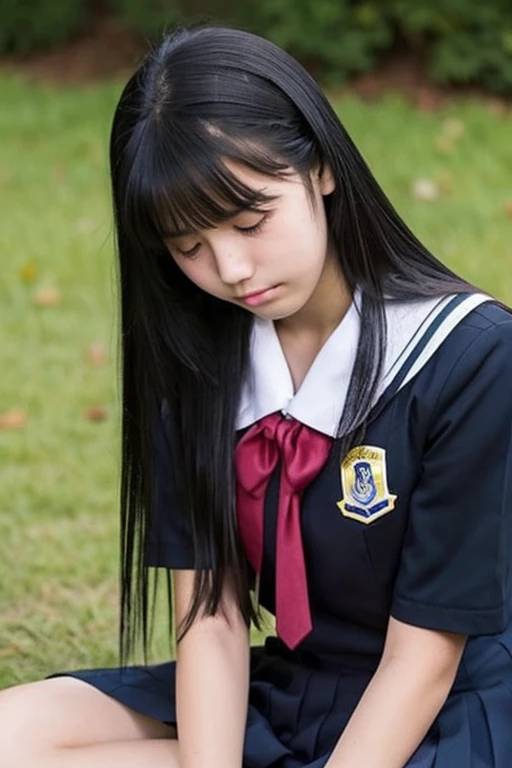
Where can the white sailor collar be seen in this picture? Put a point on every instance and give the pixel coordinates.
(415, 330)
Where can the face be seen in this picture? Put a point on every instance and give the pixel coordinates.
(270, 261)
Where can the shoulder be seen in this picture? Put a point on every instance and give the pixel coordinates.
(489, 316)
(475, 356)
(483, 337)
(473, 367)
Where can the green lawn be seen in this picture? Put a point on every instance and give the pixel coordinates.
(59, 473)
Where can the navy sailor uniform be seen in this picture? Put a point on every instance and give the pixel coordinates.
(416, 523)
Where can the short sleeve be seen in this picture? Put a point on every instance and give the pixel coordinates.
(454, 572)
(170, 542)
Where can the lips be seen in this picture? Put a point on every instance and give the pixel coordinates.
(253, 294)
(255, 298)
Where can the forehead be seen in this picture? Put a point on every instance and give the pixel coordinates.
(260, 188)
(244, 189)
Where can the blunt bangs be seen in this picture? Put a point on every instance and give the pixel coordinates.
(180, 182)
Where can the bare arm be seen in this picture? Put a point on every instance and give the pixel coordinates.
(410, 686)
(212, 683)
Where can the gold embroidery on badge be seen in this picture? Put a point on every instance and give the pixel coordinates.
(364, 483)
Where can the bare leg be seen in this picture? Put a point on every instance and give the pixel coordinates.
(66, 723)
(158, 753)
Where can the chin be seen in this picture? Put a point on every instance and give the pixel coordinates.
(276, 312)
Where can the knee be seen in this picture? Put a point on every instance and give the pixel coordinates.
(13, 711)
(18, 725)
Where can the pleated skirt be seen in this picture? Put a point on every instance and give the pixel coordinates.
(297, 711)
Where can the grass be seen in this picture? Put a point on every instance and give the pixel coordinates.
(59, 473)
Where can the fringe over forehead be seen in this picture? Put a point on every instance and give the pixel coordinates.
(185, 180)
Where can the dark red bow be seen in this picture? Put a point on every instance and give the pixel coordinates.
(303, 452)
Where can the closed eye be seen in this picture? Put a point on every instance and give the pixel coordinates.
(191, 251)
(252, 230)
(255, 228)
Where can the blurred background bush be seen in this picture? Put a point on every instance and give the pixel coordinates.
(460, 41)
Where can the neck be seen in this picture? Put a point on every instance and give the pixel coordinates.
(325, 309)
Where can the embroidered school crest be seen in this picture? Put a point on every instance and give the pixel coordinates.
(365, 485)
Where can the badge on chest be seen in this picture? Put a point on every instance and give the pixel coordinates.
(364, 483)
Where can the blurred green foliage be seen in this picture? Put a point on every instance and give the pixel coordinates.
(334, 38)
(149, 17)
(462, 41)
(30, 24)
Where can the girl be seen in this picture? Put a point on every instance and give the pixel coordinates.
(313, 406)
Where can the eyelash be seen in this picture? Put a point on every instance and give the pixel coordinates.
(249, 231)
(254, 229)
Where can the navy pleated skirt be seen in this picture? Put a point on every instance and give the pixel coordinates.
(298, 710)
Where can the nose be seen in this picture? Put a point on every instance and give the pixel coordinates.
(234, 264)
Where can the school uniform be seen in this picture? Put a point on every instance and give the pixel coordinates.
(415, 523)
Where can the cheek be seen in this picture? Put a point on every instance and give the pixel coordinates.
(201, 273)
(307, 245)
(309, 230)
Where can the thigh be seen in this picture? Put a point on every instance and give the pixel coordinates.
(66, 712)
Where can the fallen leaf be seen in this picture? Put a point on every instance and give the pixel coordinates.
(85, 226)
(47, 296)
(497, 107)
(444, 182)
(59, 173)
(96, 413)
(28, 272)
(16, 418)
(444, 144)
(10, 648)
(427, 101)
(453, 128)
(425, 189)
(96, 354)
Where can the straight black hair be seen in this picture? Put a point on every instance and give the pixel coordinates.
(204, 96)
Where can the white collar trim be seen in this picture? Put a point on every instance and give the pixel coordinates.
(320, 399)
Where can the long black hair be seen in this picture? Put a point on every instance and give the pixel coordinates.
(205, 95)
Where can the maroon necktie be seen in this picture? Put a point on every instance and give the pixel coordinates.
(303, 452)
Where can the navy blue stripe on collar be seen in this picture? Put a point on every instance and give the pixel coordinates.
(419, 348)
